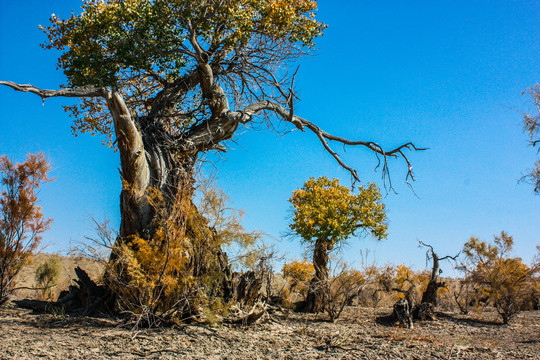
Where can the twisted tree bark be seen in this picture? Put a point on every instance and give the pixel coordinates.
(315, 300)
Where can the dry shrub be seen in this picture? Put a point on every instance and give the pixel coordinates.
(532, 293)
(298, 275)
(376, 291)
(47, 275)
(21, 219)
(387, 284)
(466, 295)
(341, 289)
(504, 280)
(445, 298)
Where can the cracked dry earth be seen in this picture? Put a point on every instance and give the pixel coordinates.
(357, 335)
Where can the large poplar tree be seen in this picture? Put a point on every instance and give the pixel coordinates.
(169, 80)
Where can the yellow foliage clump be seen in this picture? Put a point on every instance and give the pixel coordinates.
(326, 210)
(503, 279)
(299, 271)
(173, 273)
(298, 275)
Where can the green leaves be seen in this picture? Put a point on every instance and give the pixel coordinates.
(113, 36)
(325, 209)
(142, 48)
(109, 37)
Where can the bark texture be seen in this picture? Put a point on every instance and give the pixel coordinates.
(318, 287)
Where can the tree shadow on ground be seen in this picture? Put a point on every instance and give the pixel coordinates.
(49, 314)
(386, 320)
(468, 321)
(390, 320)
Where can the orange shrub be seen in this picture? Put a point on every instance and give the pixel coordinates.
(21, 219)
(503, 279)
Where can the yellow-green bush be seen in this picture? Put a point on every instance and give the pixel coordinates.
(47, 275)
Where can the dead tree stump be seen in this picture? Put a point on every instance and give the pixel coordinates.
(402, 313)
(248, 288)
(86, 297)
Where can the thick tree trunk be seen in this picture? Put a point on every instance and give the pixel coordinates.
(152, 161)
(318, 286)
(149, 160)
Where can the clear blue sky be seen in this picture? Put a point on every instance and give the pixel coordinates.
(447, 75)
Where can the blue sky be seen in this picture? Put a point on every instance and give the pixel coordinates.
(447, 75)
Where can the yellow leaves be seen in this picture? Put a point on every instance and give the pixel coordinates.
(325, 209)
(403, 273)
(299, 271)
(503, 278)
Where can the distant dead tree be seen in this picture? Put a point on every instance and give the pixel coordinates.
(531, 126)
(425, 309)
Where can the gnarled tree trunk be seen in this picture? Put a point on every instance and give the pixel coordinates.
(426, 308)
(153, 161)
(430, 294)
(318, 286)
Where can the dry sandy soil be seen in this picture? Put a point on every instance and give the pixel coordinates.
(359, 334)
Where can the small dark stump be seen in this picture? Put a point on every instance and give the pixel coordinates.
(423, 311)
(402, 313)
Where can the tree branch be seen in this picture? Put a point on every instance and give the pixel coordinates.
(88, 91)
(325, 137)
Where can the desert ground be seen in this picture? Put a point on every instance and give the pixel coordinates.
(361, 333)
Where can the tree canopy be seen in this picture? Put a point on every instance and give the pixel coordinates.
(155, 50)
(186, 74)
(325, 209)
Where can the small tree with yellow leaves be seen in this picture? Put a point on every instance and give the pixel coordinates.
(325, 215)
(502, 278)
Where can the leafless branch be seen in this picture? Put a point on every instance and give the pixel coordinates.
(324, 137)
(88, 91)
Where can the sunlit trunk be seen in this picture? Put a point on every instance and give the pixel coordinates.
(318, 286)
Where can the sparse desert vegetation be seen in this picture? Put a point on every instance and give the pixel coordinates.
(363, 331)
(170, 86)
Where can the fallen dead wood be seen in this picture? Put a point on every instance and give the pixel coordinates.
(242, 318)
